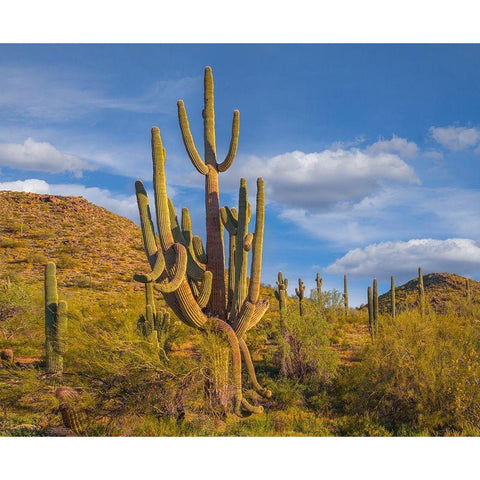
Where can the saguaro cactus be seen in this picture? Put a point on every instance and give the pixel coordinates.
(392, 297)
(375, 305)
(55, 323)
(319, 282)
(468, 293)
(371, 324)
(155, 326)
(191, 281)
(421, 293)
(345, 295)
(299, 291)
(281, 292)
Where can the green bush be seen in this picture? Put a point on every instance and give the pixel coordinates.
(420, 375)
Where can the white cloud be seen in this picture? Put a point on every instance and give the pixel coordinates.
(58, 95)
(456, 138)
(398, 145)
(125, 205)
(399, 258)
(316, 181)
(393, 213)
(40, 156)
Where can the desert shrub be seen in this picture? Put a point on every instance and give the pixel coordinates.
(12, 243)
(37, 259)
(420, 375)
(304, 351)
(64, 260)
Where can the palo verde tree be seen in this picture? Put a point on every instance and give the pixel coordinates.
(192, 280)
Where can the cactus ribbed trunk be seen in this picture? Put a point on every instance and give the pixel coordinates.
(371, 323)
(345, 295)
(375, 305)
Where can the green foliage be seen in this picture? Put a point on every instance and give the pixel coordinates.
(420, 375)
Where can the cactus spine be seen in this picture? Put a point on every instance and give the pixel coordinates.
(319, 282)
(371, 323)
(392, 297)
(421, 293)
(299, 291)
(375, 306)
(345, 295)
(281, 293)
(55, 323)
(191, 281)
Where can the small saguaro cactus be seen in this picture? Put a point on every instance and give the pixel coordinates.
(319, 282)
(67, 404)
(371, 323)
(345, 295)
(421, 293)
(299, 291)
(55, 323)
(392, 297)
(281, 292)
(375, 305)
(468, 293)
(155, 326)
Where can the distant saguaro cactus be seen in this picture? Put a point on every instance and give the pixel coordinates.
(319, 282)
(345, 296)
(299, 291)
(371, 322)
(55, 323)
(468, 292)
(392, 297)
(68, 399)
(375, 305)
(281, 292)
(421, 293)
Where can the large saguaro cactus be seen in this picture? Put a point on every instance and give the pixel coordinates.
(55, 323)
(210, 168)
(345, 296)
(191, 280)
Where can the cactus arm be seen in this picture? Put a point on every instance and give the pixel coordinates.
(160, 189)
(257, 248)
(229, 221)
(209, 119)
(264, 392)
(260, 309)
(232, 151)
(240, 324)
(247, 242)
(188, 139)
(199, 250)
(179, 270)
(205, 290)
(146, 223)
(154, 275)
(187, 227)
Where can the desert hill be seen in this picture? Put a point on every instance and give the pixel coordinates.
(441, 290)
(91, 246)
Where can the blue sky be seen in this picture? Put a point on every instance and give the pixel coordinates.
(369, 152)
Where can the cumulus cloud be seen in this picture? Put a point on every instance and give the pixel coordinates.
(42, 157)
(125, 205)
(398, 145)
(316, 181)
(456, 138)
(400, 258)
(58, 95)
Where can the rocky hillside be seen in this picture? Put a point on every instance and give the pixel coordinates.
(441, 290)
(91, 246)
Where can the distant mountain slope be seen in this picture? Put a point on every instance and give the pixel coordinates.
(441, 289)
(90, 245)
